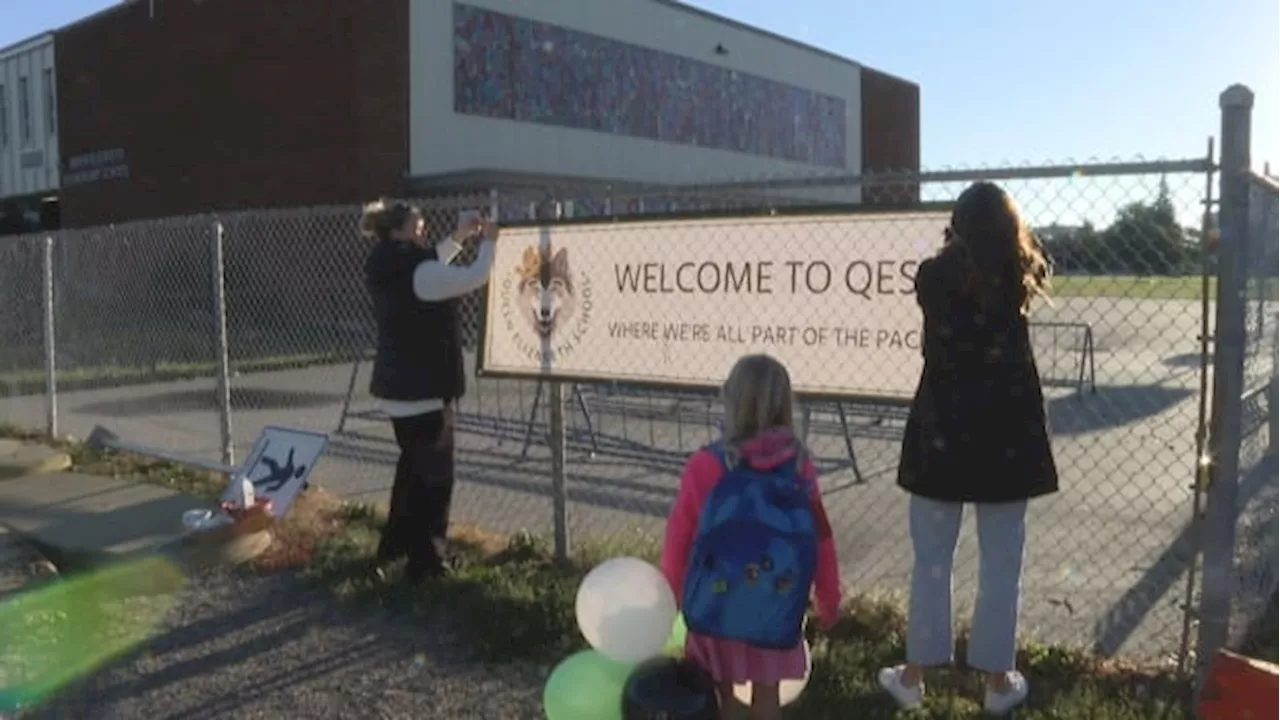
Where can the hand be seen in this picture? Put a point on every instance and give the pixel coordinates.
(447, 426)
(470, 224)
(489, 230)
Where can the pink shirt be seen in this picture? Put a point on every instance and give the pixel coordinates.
(702, 471)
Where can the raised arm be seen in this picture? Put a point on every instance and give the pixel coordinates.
(448, 249)
(470, 225)
(435, 280)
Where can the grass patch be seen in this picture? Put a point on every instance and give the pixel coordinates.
(512, 601)
(32, 381)
(109, 463)
(1131, 286)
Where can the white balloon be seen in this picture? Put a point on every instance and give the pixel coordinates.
(626, 609)
(788, 690)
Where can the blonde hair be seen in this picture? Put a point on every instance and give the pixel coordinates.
(757, 397)
(383, 216)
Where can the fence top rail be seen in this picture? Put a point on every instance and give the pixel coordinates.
(1028, 172)
(1265, 181)
(1079, 325)
(470, 198)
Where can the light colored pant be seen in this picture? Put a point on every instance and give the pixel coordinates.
(935, 527)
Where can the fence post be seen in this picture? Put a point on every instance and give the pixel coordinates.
(1273, 401)
(50, 345)
(1217, 578)
(222, 350)
(549, 210)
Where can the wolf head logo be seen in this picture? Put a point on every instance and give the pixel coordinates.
(545, 294)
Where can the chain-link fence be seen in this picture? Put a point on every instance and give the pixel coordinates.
(1109, 557)
(131, 307)
(1119, 349)
(22, 352)
(1256, 524)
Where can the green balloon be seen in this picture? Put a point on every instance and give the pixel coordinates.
(679, 633)
(586, 686)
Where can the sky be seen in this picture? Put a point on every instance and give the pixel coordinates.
(1012, 81)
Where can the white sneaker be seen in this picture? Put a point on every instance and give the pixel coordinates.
(1001, 703)
(908, 698)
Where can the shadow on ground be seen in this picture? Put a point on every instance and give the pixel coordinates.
(1127, 612)
(196, 400)
(1112, 407)
(1187, 360)
(249, 643)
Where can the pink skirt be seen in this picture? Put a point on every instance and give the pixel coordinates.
(730, 661)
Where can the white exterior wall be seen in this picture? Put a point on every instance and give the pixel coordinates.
(28, 146)
(442, 141)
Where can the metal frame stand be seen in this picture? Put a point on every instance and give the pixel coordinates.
(533, 419)
(806, 415)
(1087, 361)
(584, 407)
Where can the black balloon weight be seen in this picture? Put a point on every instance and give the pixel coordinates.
(668, 689)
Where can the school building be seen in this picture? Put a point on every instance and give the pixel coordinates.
(29, 176)
(174, 107)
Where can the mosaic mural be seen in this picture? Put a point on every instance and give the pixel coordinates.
(516, 69)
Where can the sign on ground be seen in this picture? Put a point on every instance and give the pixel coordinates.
(676, 302)
(280, 466)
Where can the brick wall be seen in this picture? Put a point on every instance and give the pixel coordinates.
(890, 133)
(233, 104)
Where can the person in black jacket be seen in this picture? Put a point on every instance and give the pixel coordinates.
(418, 372)
(976, 433)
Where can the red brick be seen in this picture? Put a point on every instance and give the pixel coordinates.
(234, 104)
(890, 134)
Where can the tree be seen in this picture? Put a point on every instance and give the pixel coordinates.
(1071, 250)
(1146, 239)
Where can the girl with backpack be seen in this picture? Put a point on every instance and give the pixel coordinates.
(748, 539)
(976, 434)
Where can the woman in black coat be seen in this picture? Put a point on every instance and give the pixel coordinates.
(976, 434)
(418, 373)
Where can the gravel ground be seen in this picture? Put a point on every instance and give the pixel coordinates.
(19, 564)
(247, 646)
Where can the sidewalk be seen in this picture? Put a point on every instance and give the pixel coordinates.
(89, 519)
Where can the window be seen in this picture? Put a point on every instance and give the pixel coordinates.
(4, 117)
(24, 109)
(50, 103)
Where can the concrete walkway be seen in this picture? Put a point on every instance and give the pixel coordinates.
(19, 458)
(81, 520)
(90, 518)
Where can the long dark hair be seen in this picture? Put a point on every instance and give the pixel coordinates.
(1002, 259)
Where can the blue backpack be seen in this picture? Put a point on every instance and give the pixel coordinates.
(754, 557)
